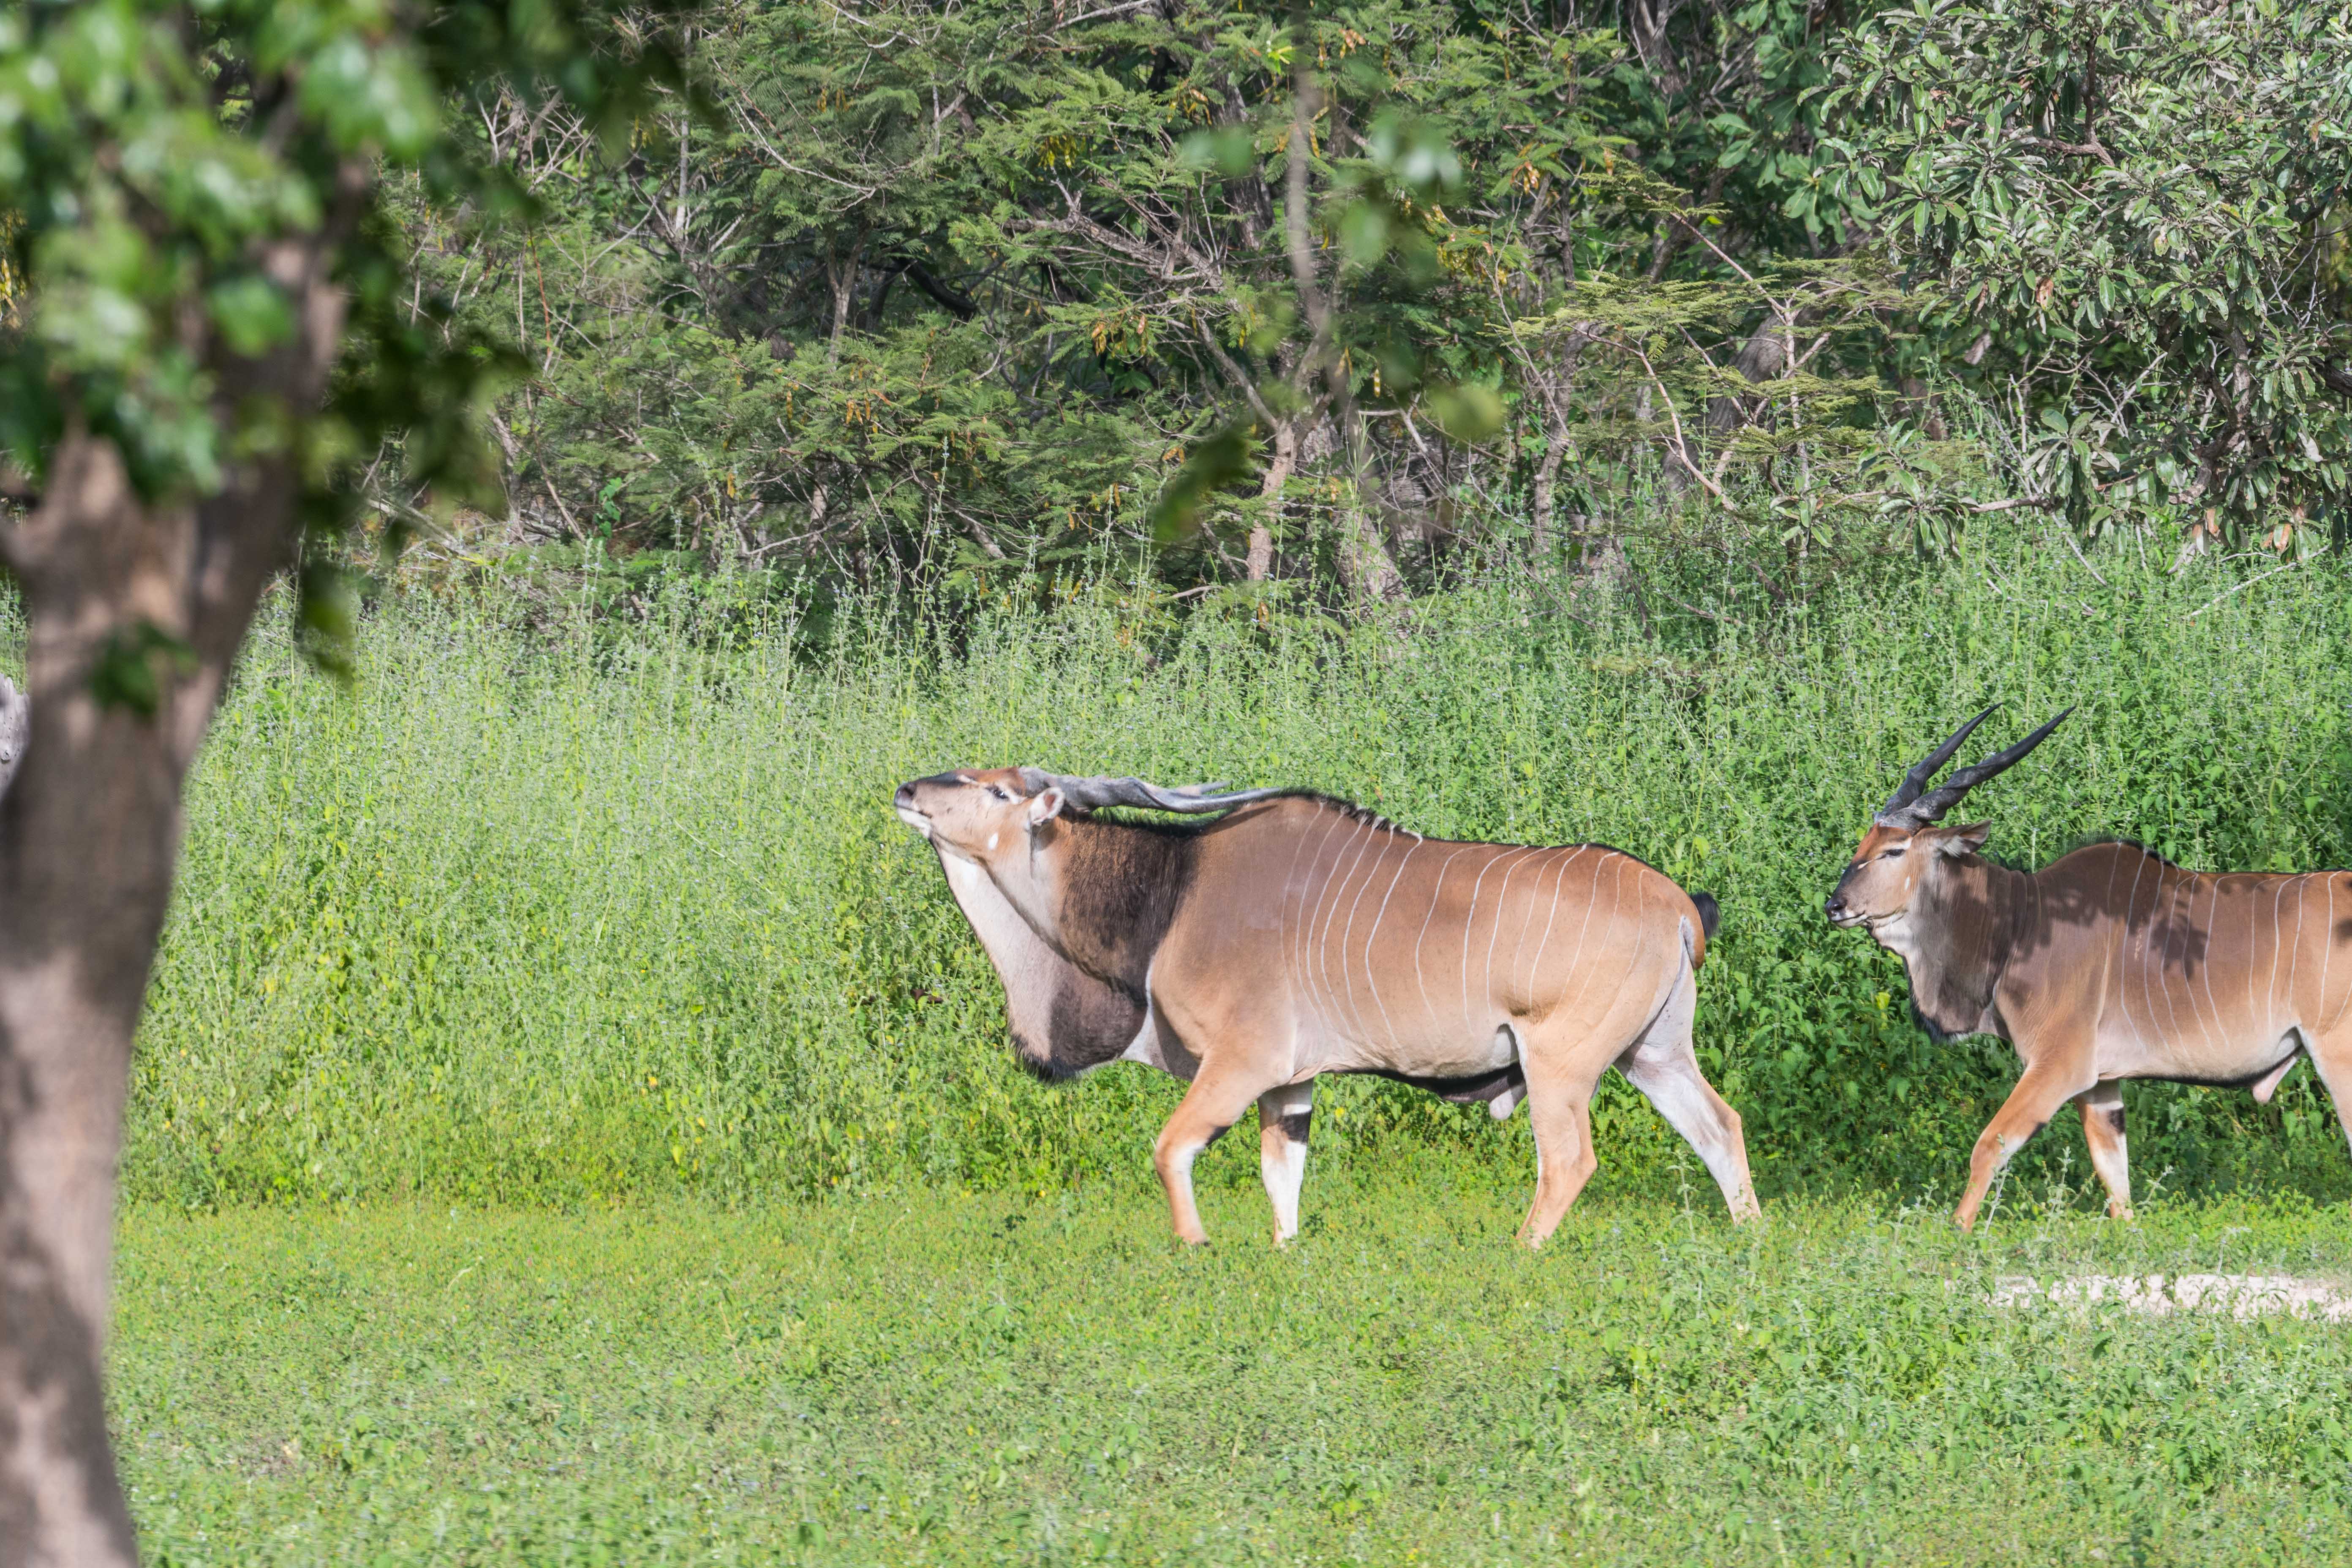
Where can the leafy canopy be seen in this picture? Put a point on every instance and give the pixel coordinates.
(161, 165)
(2130, 218)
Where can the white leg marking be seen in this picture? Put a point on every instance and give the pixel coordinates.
(1282, 1160)
(1669, 1079)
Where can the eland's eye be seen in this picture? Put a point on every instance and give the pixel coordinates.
(1894, 853)
(999, 792)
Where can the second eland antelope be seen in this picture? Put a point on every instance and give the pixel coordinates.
(2107, 964)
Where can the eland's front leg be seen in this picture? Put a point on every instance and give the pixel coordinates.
(2103, 1129)
(2049, 1083)
(1282, 1118)
(1214, 1103)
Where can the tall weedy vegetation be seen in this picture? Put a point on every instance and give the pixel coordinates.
(558, 908)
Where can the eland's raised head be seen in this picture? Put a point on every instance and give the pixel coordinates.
(980, 814)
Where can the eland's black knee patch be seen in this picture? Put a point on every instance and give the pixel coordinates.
(1293, 1126)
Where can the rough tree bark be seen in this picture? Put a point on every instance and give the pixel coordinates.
(1278, 470)
(114, 584)
(1364, 558)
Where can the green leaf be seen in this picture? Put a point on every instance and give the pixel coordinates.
(1468, 412)
(253, 316)
(1211, 466)
(1231, 151)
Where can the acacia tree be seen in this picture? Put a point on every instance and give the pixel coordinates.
(209, 324)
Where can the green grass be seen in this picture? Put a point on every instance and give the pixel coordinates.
(545, 912)
(925, 1377)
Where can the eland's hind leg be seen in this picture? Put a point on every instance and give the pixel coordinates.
(1282, 1118)
(1664, 1067)
(1560, 1110)
(2331, 1058)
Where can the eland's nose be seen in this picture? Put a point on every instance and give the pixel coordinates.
(1834, 906)
(904, 798)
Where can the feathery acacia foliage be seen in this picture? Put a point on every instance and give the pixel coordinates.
(962, 287)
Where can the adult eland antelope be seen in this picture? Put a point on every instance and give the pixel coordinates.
(1295, 935)
(2107, 964)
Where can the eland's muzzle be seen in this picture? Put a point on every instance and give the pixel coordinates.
(913, 815)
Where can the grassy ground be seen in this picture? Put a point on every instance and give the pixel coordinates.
(933, 1378)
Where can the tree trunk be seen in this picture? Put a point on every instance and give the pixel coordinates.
(841, 278)
(1763, 357)
(1364, 558)
(136, 610)
(1278, 470)
(1547, 476)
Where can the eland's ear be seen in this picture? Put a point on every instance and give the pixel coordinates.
(1045, 806)
(1964, 840)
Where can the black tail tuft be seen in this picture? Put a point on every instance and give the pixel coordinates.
(1707, 915)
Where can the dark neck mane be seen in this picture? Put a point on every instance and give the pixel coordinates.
(1121, 885)
(1974, 920)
